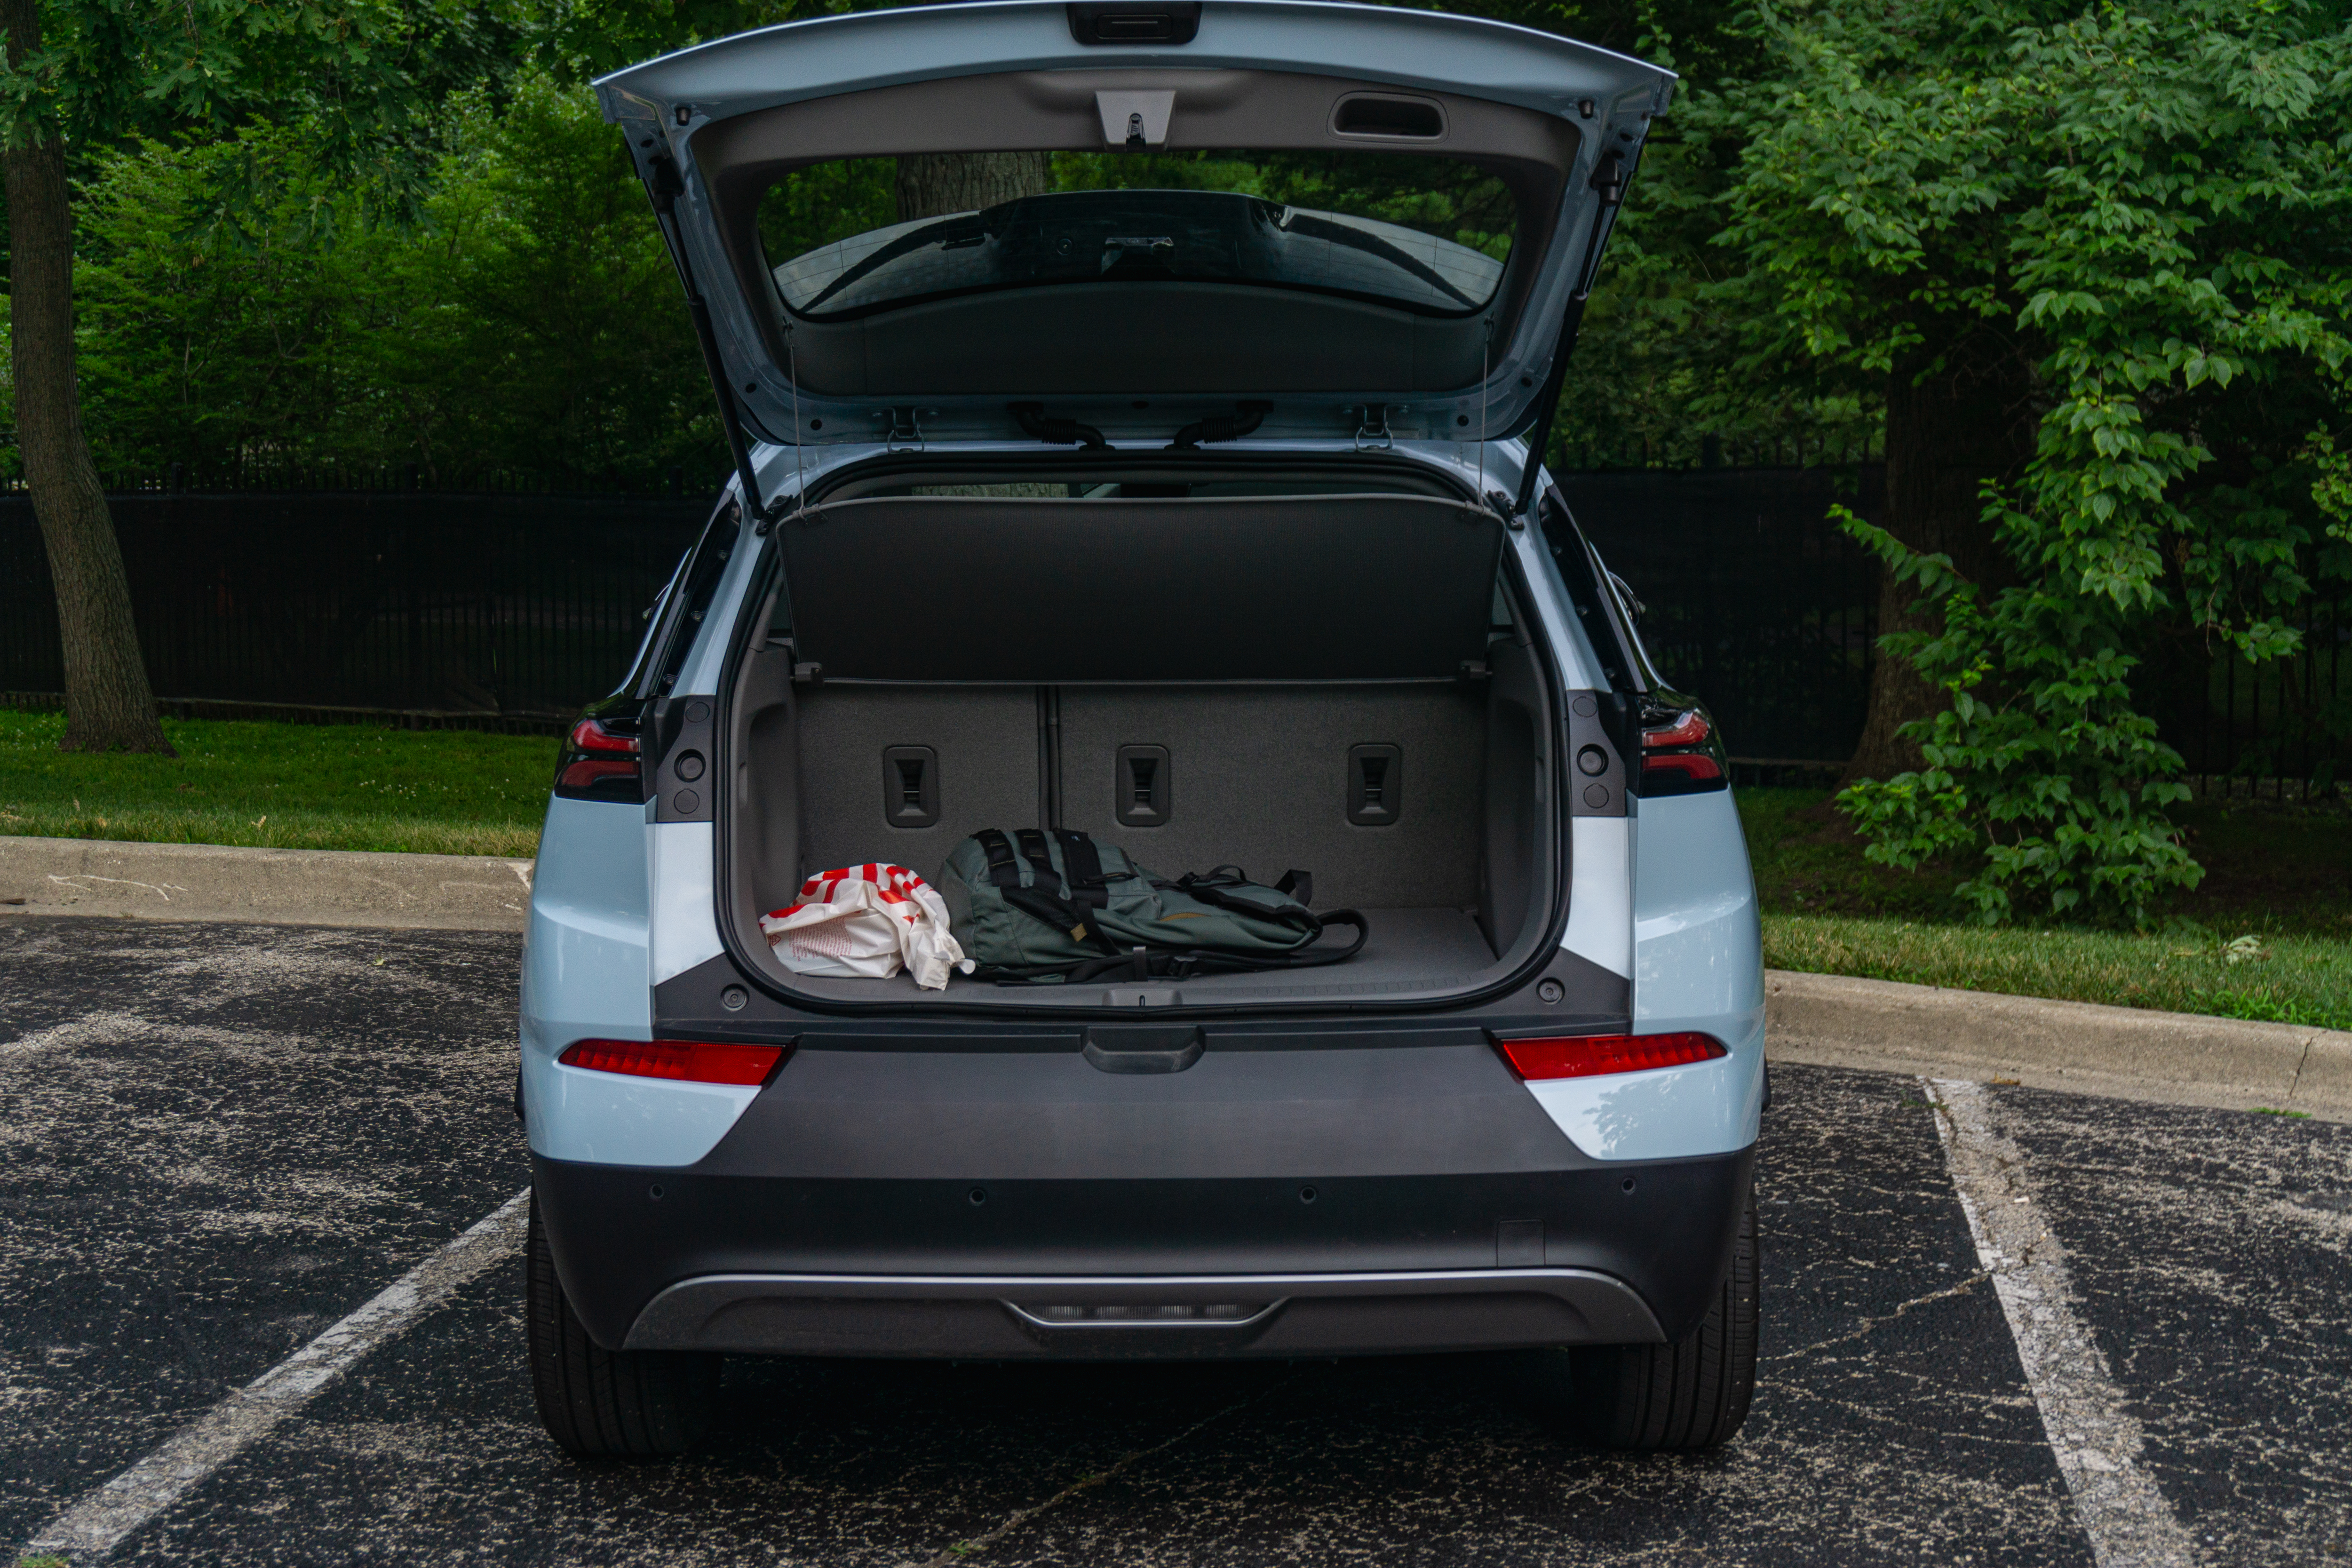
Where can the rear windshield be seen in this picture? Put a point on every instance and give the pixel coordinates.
(1427, 234)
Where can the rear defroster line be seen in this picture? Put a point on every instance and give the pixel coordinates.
(106, 1516)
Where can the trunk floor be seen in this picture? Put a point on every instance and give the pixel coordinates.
(1406, 950)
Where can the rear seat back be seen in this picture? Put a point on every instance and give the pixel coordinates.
(1260, 776)
(982, 741)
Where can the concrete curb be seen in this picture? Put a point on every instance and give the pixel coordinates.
(2132, 1052)
(271, 887)
(1828, 1020)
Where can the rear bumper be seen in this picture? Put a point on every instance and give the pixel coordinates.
(1625, 1253)
(1014, 1318)
(987, 1194)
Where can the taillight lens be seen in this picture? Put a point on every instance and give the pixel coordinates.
(1681, 754)
(1593, 1056)
(1687, 729)
(600, 762)
(1695, 766)
(682, 1062)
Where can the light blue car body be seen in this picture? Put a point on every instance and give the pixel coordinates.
(621, 902)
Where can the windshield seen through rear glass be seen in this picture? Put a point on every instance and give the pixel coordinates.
(1427, 234)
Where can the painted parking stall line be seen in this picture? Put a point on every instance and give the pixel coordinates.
(107, 1515)
(2095, 1436)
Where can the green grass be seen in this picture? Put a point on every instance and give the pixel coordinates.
(2285, 979)
(309, 786)
(2267, 935)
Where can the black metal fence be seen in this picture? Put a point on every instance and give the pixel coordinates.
(489, 604)
(1757, 603)
(2280, 728)
(1751, 598)
(520, 607)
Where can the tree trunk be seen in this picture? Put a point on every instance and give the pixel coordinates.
(933, 184)
(108, 704)
(1948, 431)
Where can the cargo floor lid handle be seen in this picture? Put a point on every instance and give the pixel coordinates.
(1133, 1050)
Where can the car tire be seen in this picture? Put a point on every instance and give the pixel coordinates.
(1690, 1394)
(607, 1405)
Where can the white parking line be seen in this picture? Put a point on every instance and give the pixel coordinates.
(106, 1515)
(2095, 1436)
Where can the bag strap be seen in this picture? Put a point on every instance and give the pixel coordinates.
(1179, 963)
(1039, 856)
(1043, 901)
(1003, 870)
(1212, 890)
(1084, 862)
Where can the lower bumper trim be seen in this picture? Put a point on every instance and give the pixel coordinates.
(1061, 1317)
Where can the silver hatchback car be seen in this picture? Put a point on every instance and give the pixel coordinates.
(1133, 407)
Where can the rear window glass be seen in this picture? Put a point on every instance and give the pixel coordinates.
(1427, 234)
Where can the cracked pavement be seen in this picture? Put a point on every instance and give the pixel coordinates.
(220, 1139)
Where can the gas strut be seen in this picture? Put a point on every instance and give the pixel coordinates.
(1609, 179)
(666, 186)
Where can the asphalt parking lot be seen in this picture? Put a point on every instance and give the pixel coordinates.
(220, 1140)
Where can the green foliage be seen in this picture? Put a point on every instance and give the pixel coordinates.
(827, 202)
(361, 77)
(2150, 201)
(1667, 332)
(2039, 770)
(530, 320)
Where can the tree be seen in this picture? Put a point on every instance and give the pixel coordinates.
(2101, 260)
(527, 322)
(933, 184)
(84, 74)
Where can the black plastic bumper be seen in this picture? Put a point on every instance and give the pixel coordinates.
(1261, 1203)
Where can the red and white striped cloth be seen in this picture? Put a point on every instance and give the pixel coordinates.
(862, 922)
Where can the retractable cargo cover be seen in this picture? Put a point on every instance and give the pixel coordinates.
(950, 588)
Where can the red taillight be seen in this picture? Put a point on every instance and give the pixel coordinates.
(588, 735)
(590, 772)
(1689, 729)
(1695, 766)
(600, 764)
(1681, 754)
(1591, 1056)
(686, 1061)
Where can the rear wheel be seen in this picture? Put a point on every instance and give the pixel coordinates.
(607, 1405)
(1693, 1394)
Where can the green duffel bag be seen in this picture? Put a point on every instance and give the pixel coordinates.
(1061, 907)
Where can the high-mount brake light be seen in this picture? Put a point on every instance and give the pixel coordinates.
(681, 1061)
(1595, 1055)
(594, 755)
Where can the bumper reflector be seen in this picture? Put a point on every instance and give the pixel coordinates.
(684, 1061)
(1591, 1055)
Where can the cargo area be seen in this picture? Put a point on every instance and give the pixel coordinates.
(1337, 683)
